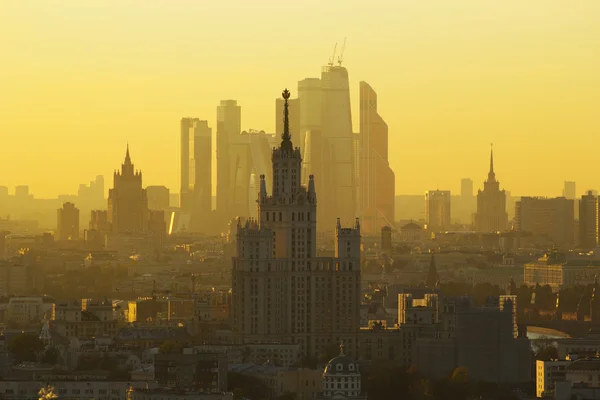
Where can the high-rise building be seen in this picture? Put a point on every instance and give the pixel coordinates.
(127, 200)
(280, 290)
(229, 127)
(491, 204)
(158, 197)
(68, 222)
(336, 128)
(570, 190)
(437, 210)
(466, 188)
(588, 221)
(196, 171)
(549, 217)
(377, 180)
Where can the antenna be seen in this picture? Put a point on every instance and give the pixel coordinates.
(332, 59)
(341, 57)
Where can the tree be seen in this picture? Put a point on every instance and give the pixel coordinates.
(50, 356)
(25, 347)
(460, 376)
(246, 386)
(545, 350)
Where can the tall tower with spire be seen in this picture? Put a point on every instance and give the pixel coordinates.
(281, 290)
(127, 200)
(491, 204)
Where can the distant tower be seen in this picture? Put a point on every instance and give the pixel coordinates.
(588, 221)
(466, 188)
(196, 171)
(438, 210)
(570, 190)
(68, 222)
(127, 200)
(377, 180)
(229, 127)
(491, 204)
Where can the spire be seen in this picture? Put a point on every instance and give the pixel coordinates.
(127, 157)
(432, 276)
(286, 137)
(491, 174)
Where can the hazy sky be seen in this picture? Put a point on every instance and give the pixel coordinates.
(78, 79)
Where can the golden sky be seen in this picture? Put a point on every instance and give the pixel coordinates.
(78, 79)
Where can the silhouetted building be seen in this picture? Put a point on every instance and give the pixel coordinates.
(588, 221)
(552, 218)
(229, 126)
(437, 210)
(491, 204)
(280, 290)
(158, 197)
(377, 180)
(92, 195)
(570, 190)
(205, 372)
(466, 188)
(196, 172)
(127, 200)
(67, 222)
(337, 130)
(99, 221)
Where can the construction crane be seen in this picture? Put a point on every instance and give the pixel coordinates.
(341, 57)
(332, 59)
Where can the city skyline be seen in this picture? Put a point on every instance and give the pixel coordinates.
(522, 84)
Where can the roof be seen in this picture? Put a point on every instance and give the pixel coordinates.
(341, 365)
(411, 226)
(585, 364)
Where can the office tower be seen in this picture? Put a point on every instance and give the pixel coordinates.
(22, 192)
(588, 221)
(158, 197)
(229, 126)
(466, 188)
(491, 204)
(68, 222)
(570, 190)
(336, 128)
(552, 218)
(196, 172)
(127, 200)
(310, 103)
(377, 180)
(280, 290)
(437, 210)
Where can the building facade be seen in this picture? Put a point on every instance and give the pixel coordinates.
(437, 210)
(281, 290)
(196, 171)
(588, 221)
(68, 222)
(552, 218)
(127, 200)
(377, 180)
(491, 204)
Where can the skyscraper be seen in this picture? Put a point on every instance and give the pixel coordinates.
(466, 188)
(588, 221)
(280, 290)
(196, 172)
(127, 200)
(437, 210)
(229, 126)
(68, 222)
(570, 190)
(336, 128)
(491, 204)
(377, 180)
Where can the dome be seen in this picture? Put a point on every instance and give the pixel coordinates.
(341, 365)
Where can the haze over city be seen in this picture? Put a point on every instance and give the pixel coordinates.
(81, 79)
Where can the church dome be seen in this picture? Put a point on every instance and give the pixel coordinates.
(341, 365)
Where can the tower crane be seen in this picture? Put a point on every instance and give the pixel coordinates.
(341, 57)
(332, 59)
